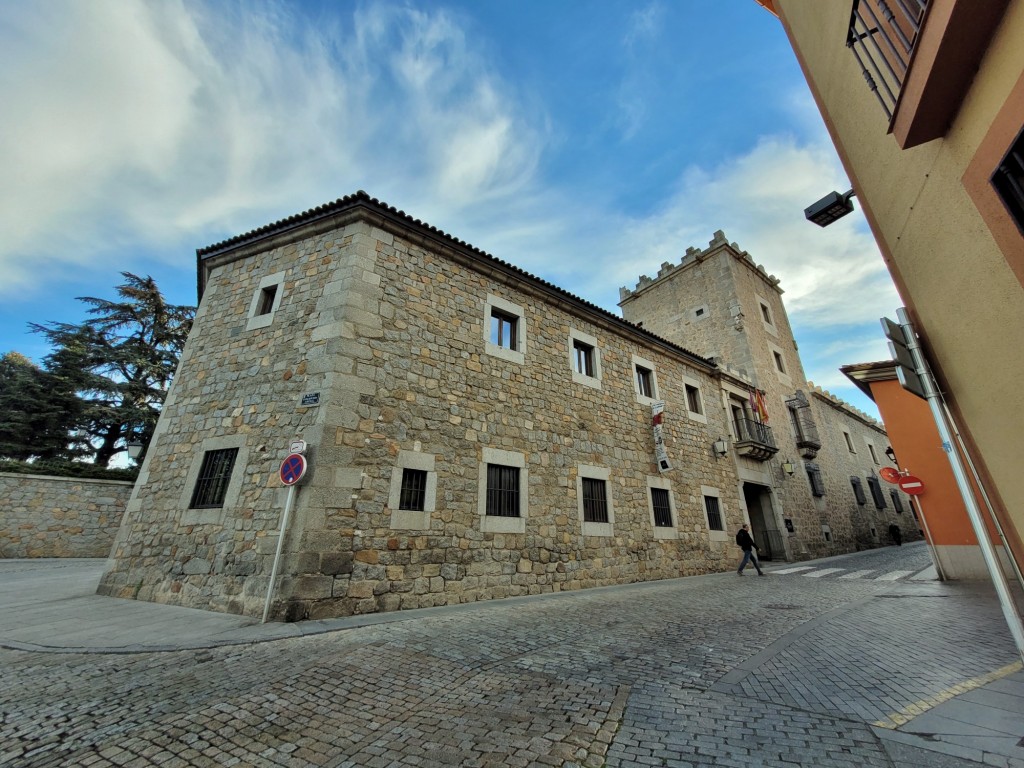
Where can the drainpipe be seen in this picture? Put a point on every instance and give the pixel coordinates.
(988, 552)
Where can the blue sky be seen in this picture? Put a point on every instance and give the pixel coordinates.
(584, 141)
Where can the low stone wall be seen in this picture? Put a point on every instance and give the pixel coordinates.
(42, 516)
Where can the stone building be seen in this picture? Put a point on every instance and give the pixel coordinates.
(474, 432)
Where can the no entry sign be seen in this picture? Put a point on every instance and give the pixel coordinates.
(293, 468)
(912, 485)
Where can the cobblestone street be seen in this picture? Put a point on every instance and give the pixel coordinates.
(711, 670)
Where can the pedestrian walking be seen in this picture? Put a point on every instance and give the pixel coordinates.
(746, 543)
(896, 533)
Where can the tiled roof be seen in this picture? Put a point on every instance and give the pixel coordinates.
(362, 199)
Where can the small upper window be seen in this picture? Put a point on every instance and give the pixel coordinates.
(1008, 181)
(584, 357)
(266, 300)
(779, 363)
(871, 450)
(504, 329)
(849, 442)
(693, 404)
(214, 477)
(765, 314)
(645, 381)
(267, 297)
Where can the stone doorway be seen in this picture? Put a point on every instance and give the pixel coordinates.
(769, 540)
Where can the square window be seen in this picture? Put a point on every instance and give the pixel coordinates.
(693, 404)
(214, 477)
(1008, 181)
(583, 354)
(413, 494)
(595, 501)
(504, 330)
(662, 507)
(267, 296)
(645, 381)
(502, 491)
(714, 513)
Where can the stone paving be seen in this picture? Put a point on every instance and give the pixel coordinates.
(712, 670)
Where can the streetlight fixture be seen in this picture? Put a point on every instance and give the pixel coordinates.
(720, 447)
(831, 207)
(135, 448)
(788, 468)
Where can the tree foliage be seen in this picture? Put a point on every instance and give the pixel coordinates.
(38, 411)
(120, 362)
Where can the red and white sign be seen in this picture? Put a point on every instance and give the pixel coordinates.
(293, 468)
(912, 485)
(889, 474)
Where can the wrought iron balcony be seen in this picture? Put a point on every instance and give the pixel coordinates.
(919, 58)
(754, 440)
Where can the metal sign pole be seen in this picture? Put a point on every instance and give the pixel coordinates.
(988, 552)
(277, 555)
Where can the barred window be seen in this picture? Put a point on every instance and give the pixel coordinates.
(714, 513)
(814, 476)
(502, 491)
(214, 477)
(876, 492)
(858, 491)
(662, 507)
(897, 502)
(595, 501)
(413, 495)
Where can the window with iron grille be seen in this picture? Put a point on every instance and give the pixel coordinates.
(214, 477)
(584, 357)
(595, 501)
(858, 490)
(1008, 181)
(876, 492)
(814, 477)
(714, 513)
(414, 490)
(504, 329)
(502, 491)
(645, 381)
(662, 507)
(897, 502)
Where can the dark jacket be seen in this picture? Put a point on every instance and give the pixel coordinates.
(745, 542)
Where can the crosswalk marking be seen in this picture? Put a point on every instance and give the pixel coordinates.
(856, 574)
(822, 572)
(894, 575)
(794, 570)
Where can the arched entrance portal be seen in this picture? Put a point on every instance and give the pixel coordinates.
(769, 540)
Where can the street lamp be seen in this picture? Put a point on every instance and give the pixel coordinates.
(832, 206)
(135, 448)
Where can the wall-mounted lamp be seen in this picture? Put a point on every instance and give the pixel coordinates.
(832, 206)
(788, 468)
(135, 448)
(891, 454)
(721, 447)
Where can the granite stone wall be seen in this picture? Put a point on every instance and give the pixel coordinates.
(46, 516)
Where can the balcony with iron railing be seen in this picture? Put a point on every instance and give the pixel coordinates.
(754, 440)
(919, 58)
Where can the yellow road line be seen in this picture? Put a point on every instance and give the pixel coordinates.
(908, 713)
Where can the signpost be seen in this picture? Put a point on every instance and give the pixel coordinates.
(292, 470)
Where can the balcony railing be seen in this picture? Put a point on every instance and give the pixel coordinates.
(754, 440)
(882, 37)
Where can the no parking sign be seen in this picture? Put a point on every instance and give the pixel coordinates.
(293, 468)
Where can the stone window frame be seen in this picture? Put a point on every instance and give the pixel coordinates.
(643, 363)
(777, 354)
(589, 341)
(767, 316)
(510, 309)
(214, 515)
(874, 454)
(408, 519)
(849, 442)
(591, 472)
(256, 318)
(701, 313)
(700, 416)
(662, 532)
(715, 535)
(492, 523)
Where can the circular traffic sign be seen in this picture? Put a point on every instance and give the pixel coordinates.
(293, 468)
(911, 484)
(889, 474)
